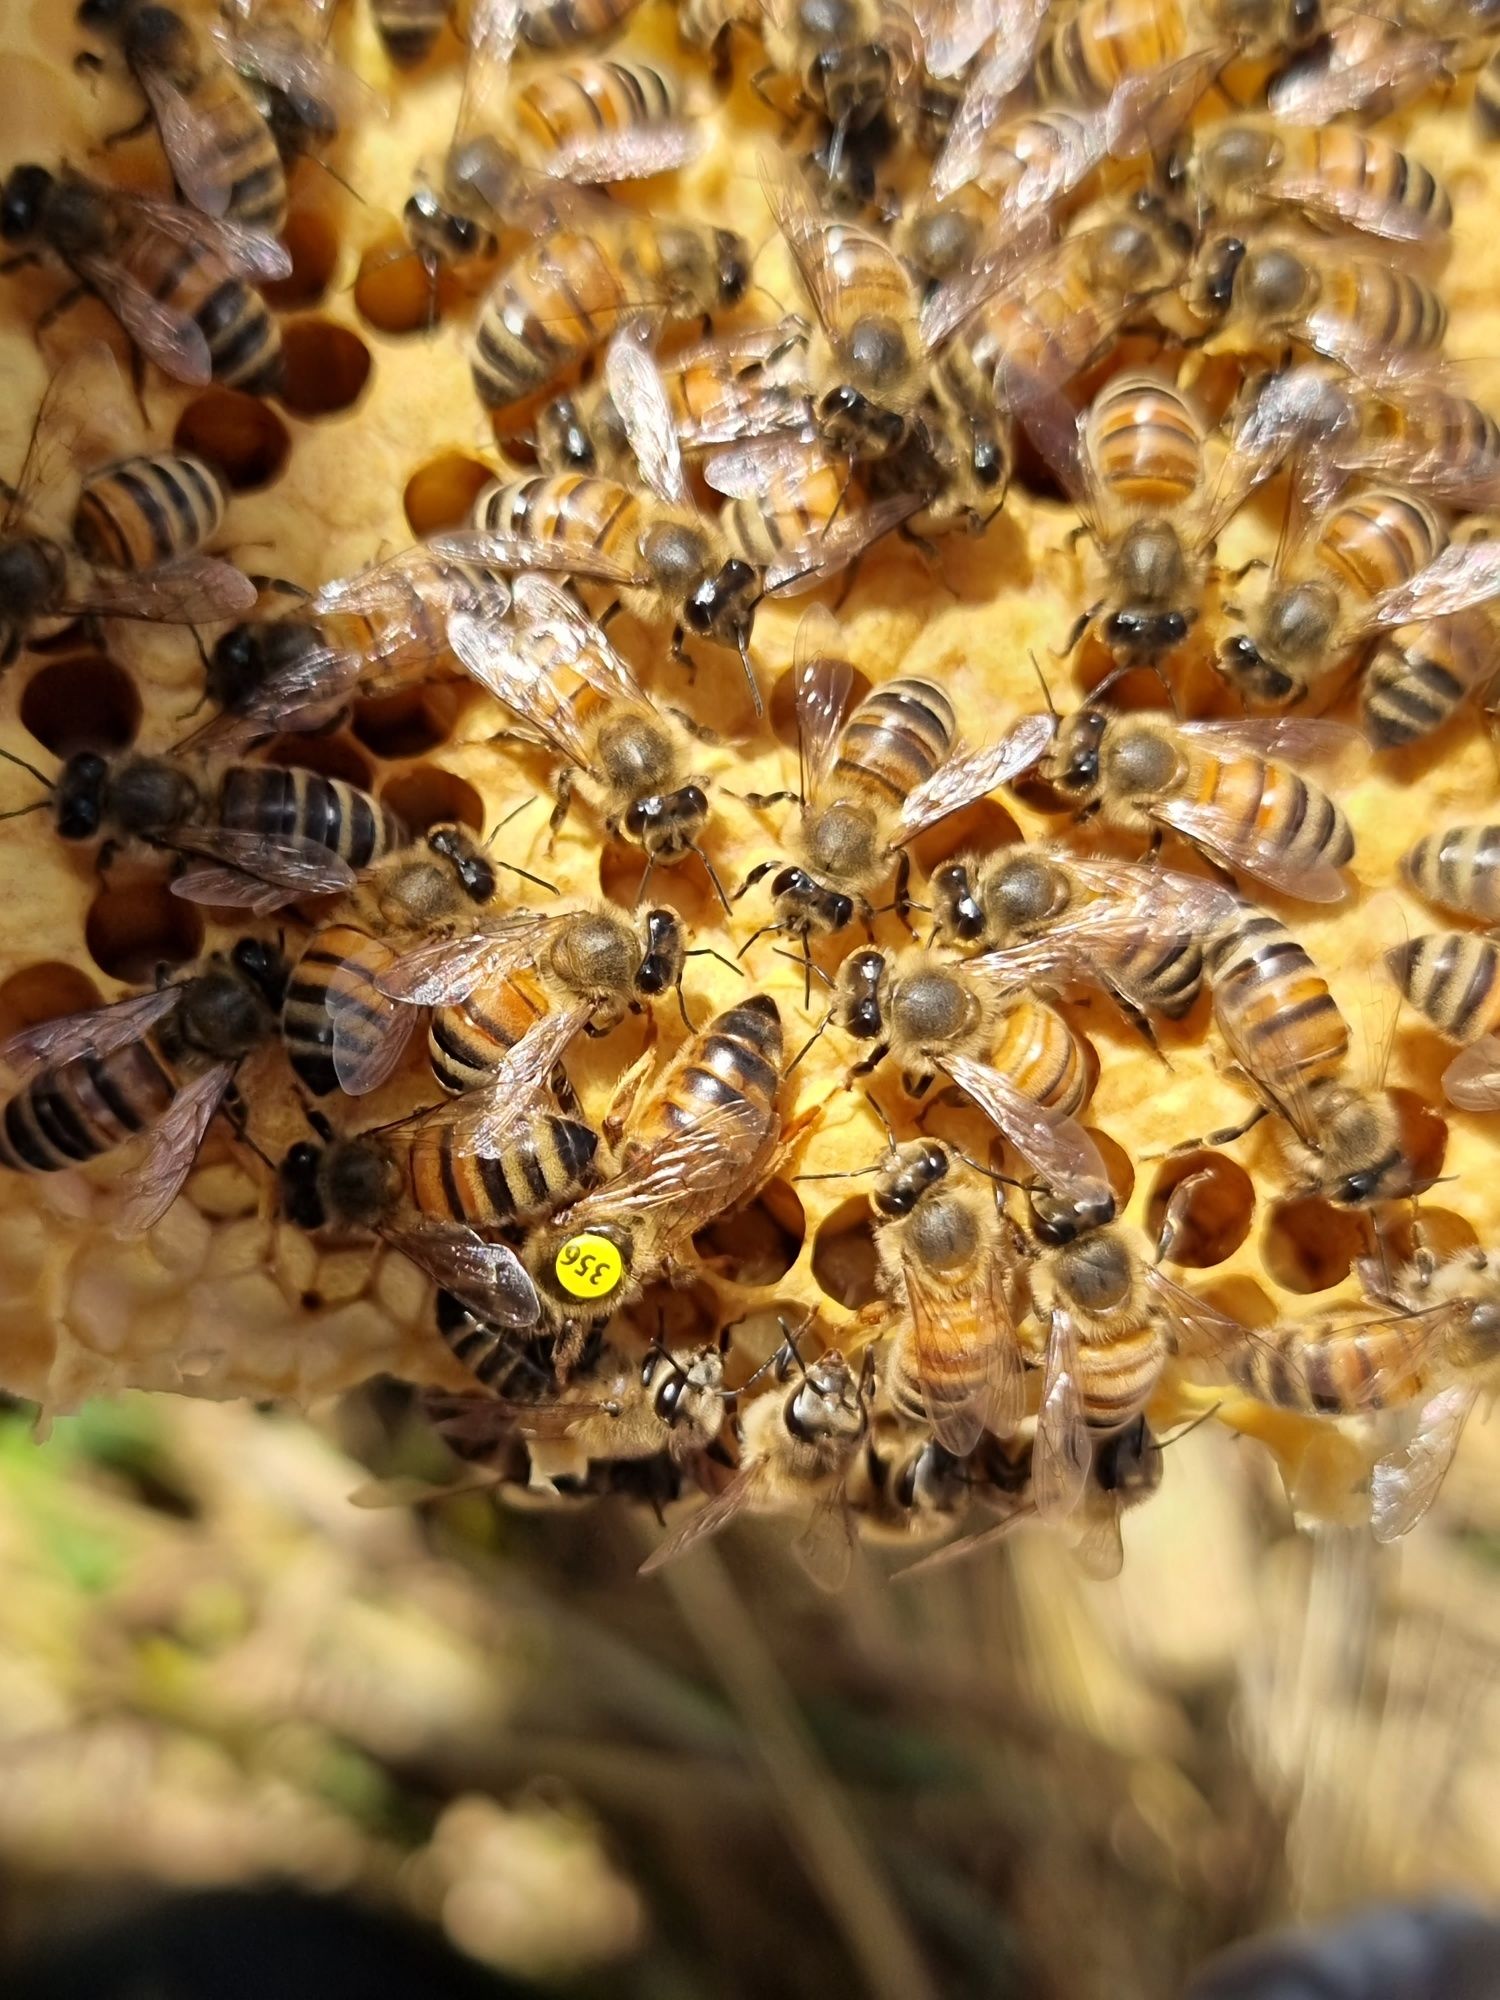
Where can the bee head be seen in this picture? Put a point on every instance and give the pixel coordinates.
(456, 846)
(28, 576)
(299, 1180)
(1074, 764)
(80, 796)
(663, 950)
(1217, 271)
(688, 1391)
(667, 823)
(1242, 664)
(851, 422)
(731, 266)
(1062, 1218)
(918, 1167)
(263, 966)
(861, 981)
(22, 199)
(1134, 635)
(960, 915)
(237, 666)
(1128, 1461)
(803, 903)
(722, 606)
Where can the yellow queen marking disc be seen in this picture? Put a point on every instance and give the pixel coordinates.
(589, 1267)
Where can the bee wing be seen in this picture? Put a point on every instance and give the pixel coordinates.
(824, 1551)
(972, 1339)
(1358, 207)
(487, 1277)
(630, 155)
(1058, 431)
(250, 253)
(824, 679)
(320, 674)
(954, 31)
(1301, 410)
(1097, 1545)
(448, 969)
(230, 889)
(1465, 573)
(698, 1171)
(403, 586)
(1063, 1453)
(285, 862)
(1144, 112)
(1292, 739)
(1162, 895)
(1405, 1482)
(1014, 39)
(292, 62)
(190, 139)
(1241, 847)
(1199, 1332)
(485, 1120)
(1010, 260)
(494, 29)
(710, 1519)
(162, 333)
(540, 604)
(513, 552)
(1056, 1146)
(1269, 1061)
(751, 467)
(370, 1032)
(1363, 57)
(806, 234)
(762, 385)
(192, 590)
(170, 1152)
(962, 779)
(635, 386)
(82, 406)
(97, 1032)
(501, 660)
(1472, 1079)
(805, 565)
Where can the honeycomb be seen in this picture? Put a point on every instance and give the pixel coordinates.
(377, 439)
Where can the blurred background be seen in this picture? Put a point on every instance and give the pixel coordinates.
(243, 1720)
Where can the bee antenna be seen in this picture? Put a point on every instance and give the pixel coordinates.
(20, 812)
(687, 1019)
(640, 887)
(527, 876)
(797, 958)
(40, 776)
(707, 951)
(809, 1042)
(514, 813)
(880, 1112)
(1036, 667)
(712, 874)
(742, 641)
(1160, 1444)
(755, 937)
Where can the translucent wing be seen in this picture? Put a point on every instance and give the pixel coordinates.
(448, 969)
(250, 253)
(1363, 57)
(1096, 1544)
(967, 1359)
(84, 388)
(507, 666)
(629, 155)
(494, 29)
(1356, 206)
(753, 467)
(1145, 111)
(1223, 834)
(1008, 263)
(571, 634)
(193, 590)
(300, 867)
(1472, 1079)
(231, 889)
(1465, 573)
(1269, 1056)
(697, 1171)
(162, 333)
(635, 387)
(292, 62)
(97, 1032)
(807, 563)
(1197, 1330)
(1017, 34)
(407, 585)
(1056, 1147)
(824, 680)
(170, 1152)
(190, 140)
(954, 31)
(962, 779)
(824, 1551)
(1057, 431)
(318, 675)
(1307, 411)
(1294, 739)
(1063, 1452)
(761, 383)
(370, 1032)
(1405, 1482)
(807, 235)
(710, 1519)
(489, 1278)
(488, 1119)
(513, 552)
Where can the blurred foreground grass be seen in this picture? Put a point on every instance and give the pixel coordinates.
(215, 1671)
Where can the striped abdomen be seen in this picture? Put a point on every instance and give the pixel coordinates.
(1032, 142)
(1039, 1055)
(894, 741)
(1092, 51)
(394, 648)
(1145, 443)
(1052, 328)
(1118, 1371)
(1453, 978)
(1277, 1011)
(408, 28)
(573, 509)
(561, 24)
(265, 799)
(337, 970)
(1420, 674)
(541, 1168)
(468, 1040)
(245, 166)
(1378, 539)
(1161, 974)
(873, 280)
(244, 342)
(569, 104)
(1252, 793)
(1349, 161)
(1434, 437)
(86, 1107)
(1337, 1373)
(734, 1060)
(800, 496)
(145, 511)
(1389, 310)
(554, 305)
(1459, 868)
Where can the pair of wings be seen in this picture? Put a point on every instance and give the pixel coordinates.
(165, 334)
(973, 1336)
(1364, 58)
(259, 872)
(165, 1154)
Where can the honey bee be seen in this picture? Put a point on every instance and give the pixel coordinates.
(489, 988)
(660, 551)
(700, 1143)
(155, 1068)
(278, 48)
(446, 1188)
(1377, 561)
(1014, 1056)
(904, 1486)
(577, 286)
(1292, 1045)
(1054, 917)
(1432, 1352)
(1377, 61)
(1219, 785)
(1332, 174)
(261, 836)
(222, 152)
(1452, 978)
(341, 1032)
(1134, 465)
(870, 780)
(798, 1446)
(1090, 51)
(1419, 675)
(952, 1362)
(173, 279)
(137, 532)
(555, 669)
(379, 630)
(1333, 296)
(851, 60)
(1458, 869)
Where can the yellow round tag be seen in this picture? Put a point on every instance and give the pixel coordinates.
(589, 1267)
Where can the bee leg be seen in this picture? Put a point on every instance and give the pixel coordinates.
(86, 63)
(758, 85)
(872, 1061)
(560, 810)
(760, 800)
(1225, 1136)
(617, 1117)
(127, 132)
(60, 305)
(699, 730)
(1080, 625)
(22, 261)
(1140, 1020)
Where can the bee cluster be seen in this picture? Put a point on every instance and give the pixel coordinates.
(588, 1076)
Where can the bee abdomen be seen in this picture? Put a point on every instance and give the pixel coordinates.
(84, 1107)
(1378, 539)
(409, 28)
(285, 804)
(1459, 867)
(337, 969)
(896, 738)
(1039, 1055)
(1420, 675)
(1145, 442)
(1164, 979)
(1118, 1375)
(1453, 978)
(145, 511)
(576, 100)
(1279, 1003)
